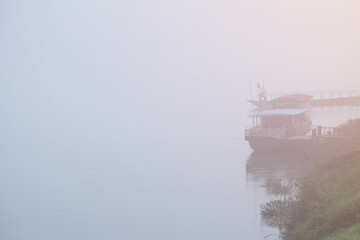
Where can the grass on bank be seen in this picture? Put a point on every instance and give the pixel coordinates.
(327, 205)
(352, 233)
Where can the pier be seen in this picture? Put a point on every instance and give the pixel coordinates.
(326, 98)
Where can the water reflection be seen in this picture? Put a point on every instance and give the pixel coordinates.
(261, 166)
(275, 171)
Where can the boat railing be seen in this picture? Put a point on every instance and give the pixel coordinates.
(269, 132)
(253, 113)
(318, 130)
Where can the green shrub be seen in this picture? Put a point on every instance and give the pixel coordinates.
(328, 197)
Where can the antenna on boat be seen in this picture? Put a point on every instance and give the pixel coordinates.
(264, 91)
(251, 93)
(252, 105)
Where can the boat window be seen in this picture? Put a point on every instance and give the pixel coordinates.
(277, 122)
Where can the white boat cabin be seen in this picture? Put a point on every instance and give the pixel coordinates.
(287, 117)
(280, 123)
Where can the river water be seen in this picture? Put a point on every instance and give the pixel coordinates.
(202, 185)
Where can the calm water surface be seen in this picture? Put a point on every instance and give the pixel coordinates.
(183, 187)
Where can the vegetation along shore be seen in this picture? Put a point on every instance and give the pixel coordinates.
(325, 202)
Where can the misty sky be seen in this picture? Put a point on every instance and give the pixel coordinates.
(178, 46)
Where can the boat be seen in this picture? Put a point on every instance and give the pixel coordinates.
(280, 124)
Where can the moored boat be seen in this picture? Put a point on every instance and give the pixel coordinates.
(280, 124)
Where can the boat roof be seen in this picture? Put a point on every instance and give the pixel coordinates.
(279, 112)
(260, 104)
(292, 98)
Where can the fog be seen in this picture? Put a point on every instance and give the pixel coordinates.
(103, 67)
(98, 97)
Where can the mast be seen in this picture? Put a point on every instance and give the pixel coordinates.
(252, 105)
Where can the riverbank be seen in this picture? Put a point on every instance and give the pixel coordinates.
(327, 203)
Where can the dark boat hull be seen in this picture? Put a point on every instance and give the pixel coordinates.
(270, 144)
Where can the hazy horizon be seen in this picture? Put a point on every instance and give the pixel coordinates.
(82, 64)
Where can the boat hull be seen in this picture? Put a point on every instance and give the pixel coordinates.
(270, 144)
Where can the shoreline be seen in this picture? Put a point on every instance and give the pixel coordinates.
(327, 200)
